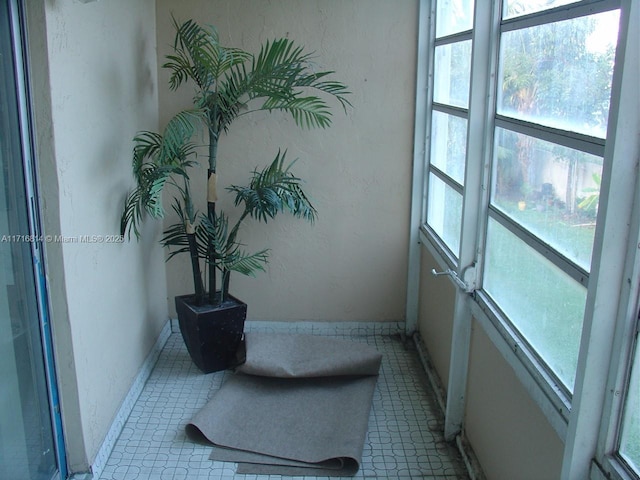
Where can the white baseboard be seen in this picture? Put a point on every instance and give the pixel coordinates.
(320, 328)
(326, 328)
(129, 401)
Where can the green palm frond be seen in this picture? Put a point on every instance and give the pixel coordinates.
(229, 78)
(175, 236)
(247, 264)
(131, 214)
(227, 254)
(278, 67)
(337, 89)
(307, 112)
(146, 198)
(199, 56)
(273, 190)
(211, 235)
(282, 74)
(156, 159)
(176, 137)
(173, 147)
(146, 145)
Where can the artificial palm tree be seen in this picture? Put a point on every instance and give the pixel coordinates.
(229, 82)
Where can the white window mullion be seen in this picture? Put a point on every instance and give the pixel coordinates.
(609, 285)
(477, 133)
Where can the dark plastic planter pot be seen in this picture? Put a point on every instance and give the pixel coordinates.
(213, 334)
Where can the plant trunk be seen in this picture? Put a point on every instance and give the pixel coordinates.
(193, 246)
(211, 259)
(224, 291)
(212, 198)
(195, 266)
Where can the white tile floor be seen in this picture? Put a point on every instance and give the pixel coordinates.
(405, 426)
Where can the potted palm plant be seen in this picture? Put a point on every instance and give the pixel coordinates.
(229, 82)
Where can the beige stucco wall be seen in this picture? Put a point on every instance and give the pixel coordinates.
(507, 431)
(95, 77)
(351, 265)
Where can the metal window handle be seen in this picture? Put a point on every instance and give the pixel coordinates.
(450, 273)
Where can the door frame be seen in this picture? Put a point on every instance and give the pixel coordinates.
(19, 46)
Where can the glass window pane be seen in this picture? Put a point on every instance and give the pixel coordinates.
(453, 16)
(630, 439)
(516, 8)
(559, 74)
(27, 447)
(452, 69)
(551, 190)
(444, 212)
(448, 144)
(542, 302)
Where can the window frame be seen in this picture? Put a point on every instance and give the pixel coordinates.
(451, 257)
(566, 412)
(577, 141)
(625, 147)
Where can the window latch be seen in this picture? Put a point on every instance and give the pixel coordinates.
(454, 276)
(468, 287)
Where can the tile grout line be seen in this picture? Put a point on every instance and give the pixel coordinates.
(398, 414)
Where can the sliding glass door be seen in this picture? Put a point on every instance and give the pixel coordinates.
(28, 442)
